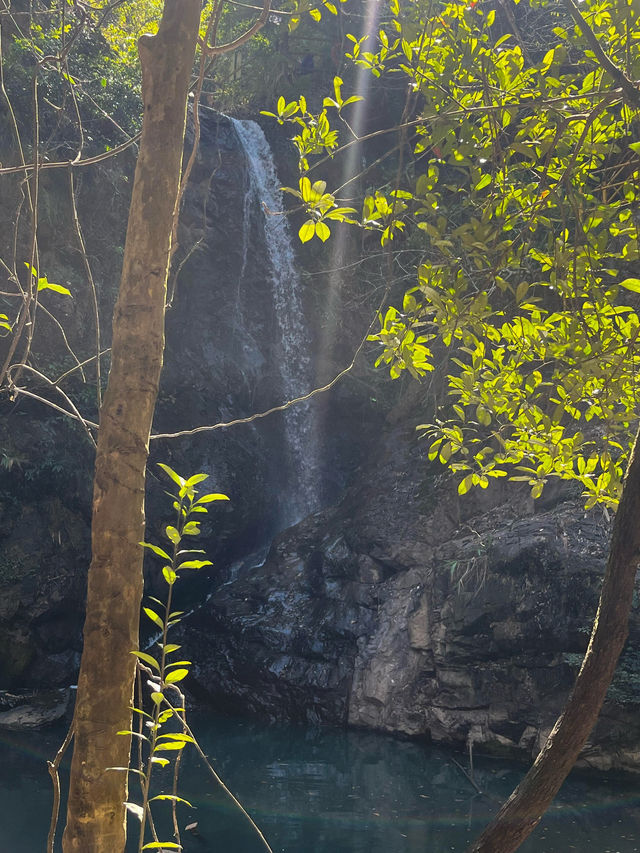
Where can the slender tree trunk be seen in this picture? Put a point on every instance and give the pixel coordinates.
(96, 813)
(519, 816)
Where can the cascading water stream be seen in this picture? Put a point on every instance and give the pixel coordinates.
(264, 199)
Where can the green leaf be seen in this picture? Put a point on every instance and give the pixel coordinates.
(307, 231)
(139, 711)
(195, 564)
(322, 231)
(177, 479)
(631, 284)
(169, 575)
(173, 797)
(170, 746)
(156, 550)
(172, 534)
(483, 415)
(45, 284)
(197, 478)
(484, 181)
(177, 736)
(171, 647)
(162, 845)
(157, 698)
(147, 659)
(154, 617)
(537, 489)
(465, 485)
(207, 499)
(157, 759)
(176, 675)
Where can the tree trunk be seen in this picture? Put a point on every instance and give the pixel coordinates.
(96, 814)
(519, 816)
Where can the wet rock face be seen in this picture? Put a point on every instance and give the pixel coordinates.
(407, 609)
(222, 362)
(279, 639)
(32, 709)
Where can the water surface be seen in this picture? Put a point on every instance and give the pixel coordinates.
(328, 791)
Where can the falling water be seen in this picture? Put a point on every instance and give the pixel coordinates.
(294, 364)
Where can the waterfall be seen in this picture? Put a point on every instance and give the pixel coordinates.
(264, 199)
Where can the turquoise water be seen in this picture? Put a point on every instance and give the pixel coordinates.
(327, 791)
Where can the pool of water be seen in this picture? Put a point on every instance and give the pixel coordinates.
(328, 791)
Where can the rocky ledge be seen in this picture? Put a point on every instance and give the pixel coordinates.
(32, 709)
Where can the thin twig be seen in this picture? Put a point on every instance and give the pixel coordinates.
(187, 730)
(184, 180)
(22, 392)
(92, 284)
(284, 406)
(52, 767)
(229, 47)
(467, 776)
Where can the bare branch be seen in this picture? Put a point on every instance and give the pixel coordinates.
(284, 406)
(216, 50)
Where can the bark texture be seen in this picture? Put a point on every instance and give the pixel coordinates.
(519, 816)
(96, 812)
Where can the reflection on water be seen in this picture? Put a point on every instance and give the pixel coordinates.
(325, 791)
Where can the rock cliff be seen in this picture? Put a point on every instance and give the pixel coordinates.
(407, 609)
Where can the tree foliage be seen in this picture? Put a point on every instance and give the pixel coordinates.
(521, 176)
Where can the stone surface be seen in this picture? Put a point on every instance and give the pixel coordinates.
(32, 709)
(408, 609)
(221, 363)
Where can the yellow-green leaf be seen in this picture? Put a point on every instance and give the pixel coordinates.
(171, 473)
(207, 499)
(465, 485)
(156, 550)
(631, 284)
(172, 534)
(169, 575)
(307, 231)
(154, 617)
(176, 675)
(45, 284)
(322, 231)
(147, 659)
